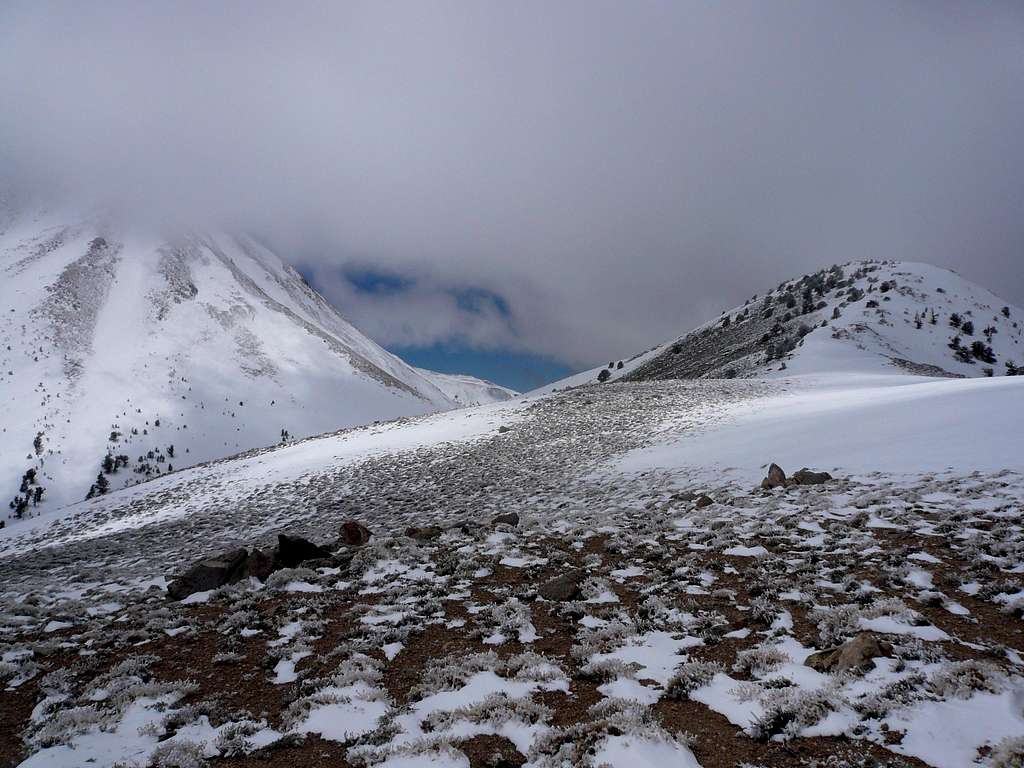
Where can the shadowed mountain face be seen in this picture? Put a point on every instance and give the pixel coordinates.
(162, 350)
(864, 316)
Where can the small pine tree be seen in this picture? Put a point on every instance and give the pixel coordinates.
(604, 375)
(967, 328)
(983, 352)
(108, 464)
(955, 320)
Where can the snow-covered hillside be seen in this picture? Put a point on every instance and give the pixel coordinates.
(165, 350)
(589, 578)
(865, 317)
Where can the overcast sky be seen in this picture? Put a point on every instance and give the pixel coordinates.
(577, 180)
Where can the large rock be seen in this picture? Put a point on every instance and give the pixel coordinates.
(257, 564)
(509, 518)
(562, 588)
(776, 478)
(293, 550)
(855, 654)
(209, 574)
(703, 501)
(354, 534)
(806, 476)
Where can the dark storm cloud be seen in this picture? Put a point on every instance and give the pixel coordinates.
(613, 171)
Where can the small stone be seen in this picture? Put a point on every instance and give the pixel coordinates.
(562, 588)
(703, 501)
(503, 429)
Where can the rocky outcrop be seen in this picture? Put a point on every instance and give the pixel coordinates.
(209, 573)
(776, 478)
(238, 564)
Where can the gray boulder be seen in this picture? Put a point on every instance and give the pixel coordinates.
(509, 518)
(806, 476)
(209, 574)
(562, 588)
(293, 550)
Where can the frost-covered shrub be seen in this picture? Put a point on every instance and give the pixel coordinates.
(1008, 753)
(603, 670)
(360, 668)
(601, 639)
(836, 624)
(512, 617)
(789, 710)
(894, 695)
(449, 673)
(178, 754)
(963, 678)
(689, 677)
(758, 662)
(278, 580)
(496, 709)
(233, 739)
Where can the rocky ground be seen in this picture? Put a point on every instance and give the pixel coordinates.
(521, 603)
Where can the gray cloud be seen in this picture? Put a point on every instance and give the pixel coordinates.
(616, 171)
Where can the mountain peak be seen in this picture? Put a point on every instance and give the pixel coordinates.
(867, 316)
(164, 351)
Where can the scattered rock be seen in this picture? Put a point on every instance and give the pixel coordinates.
(257, 564)
(562, 588)
(354, 534)
(703, 501)
(509, 518)
(806, 476)
(208, 574)
(503, 429)
(426, 533)
(776, 478)
(292, 550)
(855, 654)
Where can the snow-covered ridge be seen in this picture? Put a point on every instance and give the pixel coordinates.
(867, 317)
(165, 350)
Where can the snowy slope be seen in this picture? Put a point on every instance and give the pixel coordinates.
(876, 317)
(468, 390)
(130, 341)
(848, 422)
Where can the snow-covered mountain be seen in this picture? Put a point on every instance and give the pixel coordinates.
(879, 317)
(165, 350)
